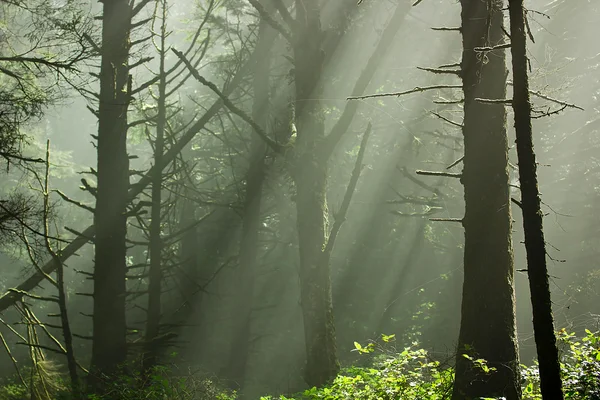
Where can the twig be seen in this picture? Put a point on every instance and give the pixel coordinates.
(545, 97)
(441, 70)
(455, 163)
(492, 48)
(398, 94)
(447, 120)
(74, 202)
(493, 101)
(447, 29)
(446, 220)
(436, 173)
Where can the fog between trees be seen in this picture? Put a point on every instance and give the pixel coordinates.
(243, 191)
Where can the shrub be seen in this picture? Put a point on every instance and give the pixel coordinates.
(580, 367)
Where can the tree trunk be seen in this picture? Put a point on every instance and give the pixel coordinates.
(311, 205)
(535, 245)
(240, 347)
(488, 328)
(109, 332)
(156, 245)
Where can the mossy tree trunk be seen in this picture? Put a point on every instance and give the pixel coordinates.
(109, 347)
(488, 328)
(535, 245)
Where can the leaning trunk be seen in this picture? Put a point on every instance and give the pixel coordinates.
(109, 331)
(488, 329)
(543, 326)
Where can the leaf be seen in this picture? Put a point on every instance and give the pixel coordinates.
(388, 338)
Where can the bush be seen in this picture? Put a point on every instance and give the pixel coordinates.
(160, 384)
(409, 374)
(580, 367)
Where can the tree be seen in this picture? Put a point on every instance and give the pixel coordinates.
(109, 345)
(535, 244)
(41, 50)
(488, 328)
(251, 214)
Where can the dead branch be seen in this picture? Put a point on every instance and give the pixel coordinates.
(398, 94)
(340, 216)
(436, 173)
(232, 107)
(447, 120)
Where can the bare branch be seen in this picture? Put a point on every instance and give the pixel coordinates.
(447, 120)
(436, 173)
(398, 94)
(269, 20)
(232, 107)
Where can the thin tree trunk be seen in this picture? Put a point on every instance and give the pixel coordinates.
(156, 245)
(109, 346)
(240, 347)
(535, 245)
(488, 327)
(60, 286)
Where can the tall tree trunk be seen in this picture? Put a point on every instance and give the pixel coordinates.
(535, 245)
(488, 328)
(240, 347)
(109, 331)
(156, 245)
(311, 205)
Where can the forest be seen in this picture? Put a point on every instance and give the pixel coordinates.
(299, 199)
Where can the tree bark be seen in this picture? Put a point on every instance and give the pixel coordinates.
(535, 245)
(488, 328)
(109, 331)
(310, 175)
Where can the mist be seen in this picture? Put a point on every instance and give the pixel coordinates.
(236, 201)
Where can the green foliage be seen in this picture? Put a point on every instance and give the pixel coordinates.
(160, 384)
(13, 392)
(580, 366)
(410, 374)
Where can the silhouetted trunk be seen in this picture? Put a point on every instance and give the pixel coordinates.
(188, 256)
(240, 347)
(109, 332)
(310, 176)
(156, 246)
(535, 245)
(488, 328)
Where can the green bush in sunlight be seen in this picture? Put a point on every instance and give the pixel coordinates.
(580, 365)
(411, 374)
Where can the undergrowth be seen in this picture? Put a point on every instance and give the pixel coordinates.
(407, 374)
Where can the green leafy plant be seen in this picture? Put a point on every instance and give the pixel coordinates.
(580, 367)
(409, 374)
